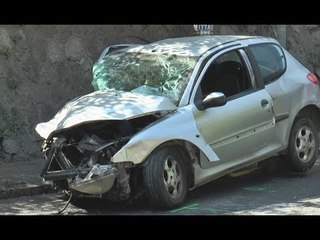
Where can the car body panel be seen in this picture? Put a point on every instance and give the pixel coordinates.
(221, 168)
(242, 125)
(104, 105)
(144, 142)
(187, 46)
(291, 93)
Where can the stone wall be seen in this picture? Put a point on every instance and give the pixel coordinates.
(44, 66)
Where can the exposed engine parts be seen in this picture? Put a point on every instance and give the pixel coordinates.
(79, 159)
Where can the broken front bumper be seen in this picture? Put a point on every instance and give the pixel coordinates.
(98, 181)
(85, 167)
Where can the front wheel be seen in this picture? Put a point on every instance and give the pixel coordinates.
(165, 178)
(303, 146)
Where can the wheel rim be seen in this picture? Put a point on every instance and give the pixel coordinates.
(172, 177)
(305, 144)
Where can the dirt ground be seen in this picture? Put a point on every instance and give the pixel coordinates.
(44, 66)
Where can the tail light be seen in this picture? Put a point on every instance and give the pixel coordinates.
(312, 78)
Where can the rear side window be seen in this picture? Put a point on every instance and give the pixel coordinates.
(271, 61)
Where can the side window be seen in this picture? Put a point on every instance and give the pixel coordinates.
(226, 74)
(270, 59)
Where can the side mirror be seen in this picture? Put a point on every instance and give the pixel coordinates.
(214, 99)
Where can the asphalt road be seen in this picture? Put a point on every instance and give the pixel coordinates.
(269, 190)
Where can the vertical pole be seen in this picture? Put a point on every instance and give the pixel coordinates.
(281, 31)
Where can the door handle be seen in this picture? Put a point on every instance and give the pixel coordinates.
(264, 103)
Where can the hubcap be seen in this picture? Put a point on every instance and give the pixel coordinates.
(305, 144)
(172, 177)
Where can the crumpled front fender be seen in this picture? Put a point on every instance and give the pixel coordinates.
(179, 125)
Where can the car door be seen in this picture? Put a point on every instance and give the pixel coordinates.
(243, 128)
(270, 62)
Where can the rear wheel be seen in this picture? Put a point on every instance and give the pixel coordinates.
(303, 146)
(165, 178)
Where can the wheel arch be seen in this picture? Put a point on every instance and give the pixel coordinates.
(312, 112)
(303, 147)
(180, 125)
(189, 153)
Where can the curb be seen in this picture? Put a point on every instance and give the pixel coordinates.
(27, 191)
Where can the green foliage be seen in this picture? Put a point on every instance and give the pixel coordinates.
(2, 133)
(16, 38)
(13, 83)
(13, 123)
(2, 156)
(5, 52)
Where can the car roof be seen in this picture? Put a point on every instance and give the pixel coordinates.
(190, 46)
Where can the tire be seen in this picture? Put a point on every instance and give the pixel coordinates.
(303, 146)
(165, 178)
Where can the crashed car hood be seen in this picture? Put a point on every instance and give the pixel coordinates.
(104, 105)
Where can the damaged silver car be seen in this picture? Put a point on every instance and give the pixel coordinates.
(172, 115)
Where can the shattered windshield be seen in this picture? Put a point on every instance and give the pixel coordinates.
(150, 74)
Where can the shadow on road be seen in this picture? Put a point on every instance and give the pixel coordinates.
(269, 190)
(271, 184)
